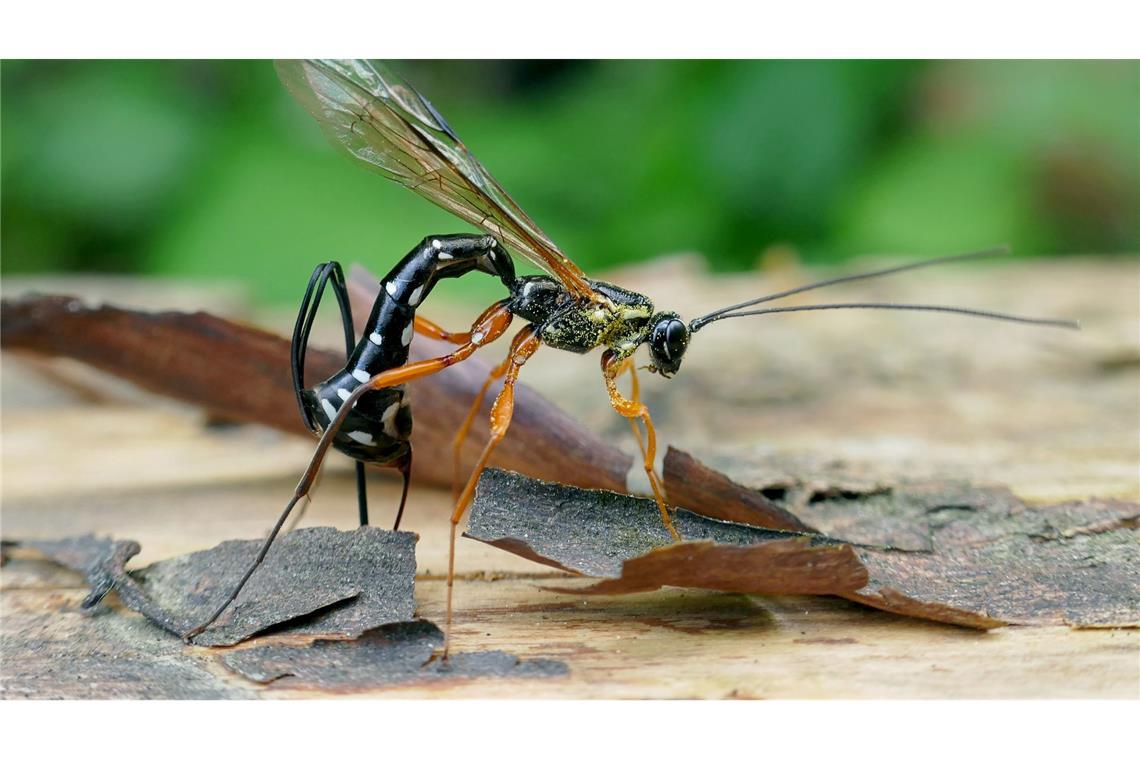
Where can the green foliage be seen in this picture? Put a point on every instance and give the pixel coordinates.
(209, 169)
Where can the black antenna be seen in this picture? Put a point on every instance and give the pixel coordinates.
(1070, 324)
(713, 316)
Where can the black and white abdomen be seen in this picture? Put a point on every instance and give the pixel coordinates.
(376, 430)
(379, 426)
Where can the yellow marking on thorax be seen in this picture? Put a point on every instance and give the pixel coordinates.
(619, 334)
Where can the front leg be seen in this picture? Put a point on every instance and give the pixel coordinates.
(612, 367)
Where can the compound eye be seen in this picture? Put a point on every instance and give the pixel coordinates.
(676, 336)
(668, 343)
(659, 341)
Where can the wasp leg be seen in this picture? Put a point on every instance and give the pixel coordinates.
(404, 465)
(633, 409)
(431, 329)
(635, 397)
(461, 434)
(522, 348)
(490, 325)
(427, 327)
(323, 275)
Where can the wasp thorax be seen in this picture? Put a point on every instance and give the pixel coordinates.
(668, 339)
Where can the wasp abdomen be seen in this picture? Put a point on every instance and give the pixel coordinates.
(380, 424)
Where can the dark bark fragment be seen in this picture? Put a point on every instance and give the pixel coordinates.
(314, 582)
(396, 654)
(992, 559)
(309, 570)
(621, 538)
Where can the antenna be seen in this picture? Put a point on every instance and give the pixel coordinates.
(713, 316)
(1066, 323)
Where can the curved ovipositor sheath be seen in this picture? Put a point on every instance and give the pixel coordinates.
(324, 275)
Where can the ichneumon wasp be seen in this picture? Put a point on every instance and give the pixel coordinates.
(380, 120)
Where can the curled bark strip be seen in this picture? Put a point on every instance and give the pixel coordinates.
(995, 560)
(787, 566)
(241, 373)
(704, 490)
(608, 535)
(233, 371)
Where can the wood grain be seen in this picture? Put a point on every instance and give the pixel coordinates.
(814, 404)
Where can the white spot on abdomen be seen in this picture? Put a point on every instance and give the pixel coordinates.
(390, 286)
(436, 244)
(415, 295)
(343, 394)
(444, 256)
(376, 338)
(389, 420)
(330, 410)
(406, 337)
(362, 438)
(361, 375)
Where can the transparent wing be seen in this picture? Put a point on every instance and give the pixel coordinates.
(379, 119)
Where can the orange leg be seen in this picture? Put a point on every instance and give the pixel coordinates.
(461, 434)
(490, 325)
(635, 397)
(634, 410)
(429, 328)
(522, 348)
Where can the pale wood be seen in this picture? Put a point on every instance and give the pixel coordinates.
(1054, 419)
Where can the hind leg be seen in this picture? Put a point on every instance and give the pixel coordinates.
(491, 324)
(431, 329)
(426, 327)
(522, 348)
(404, 466)
(461, 434)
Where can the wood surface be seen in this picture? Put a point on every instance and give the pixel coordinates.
(813, 402)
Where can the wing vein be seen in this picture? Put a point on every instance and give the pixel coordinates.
(379, 120)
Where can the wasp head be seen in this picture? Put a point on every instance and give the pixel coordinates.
(668, 339)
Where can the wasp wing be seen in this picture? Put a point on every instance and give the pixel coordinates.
(379, 119)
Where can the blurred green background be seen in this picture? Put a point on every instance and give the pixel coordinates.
(208, 169)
